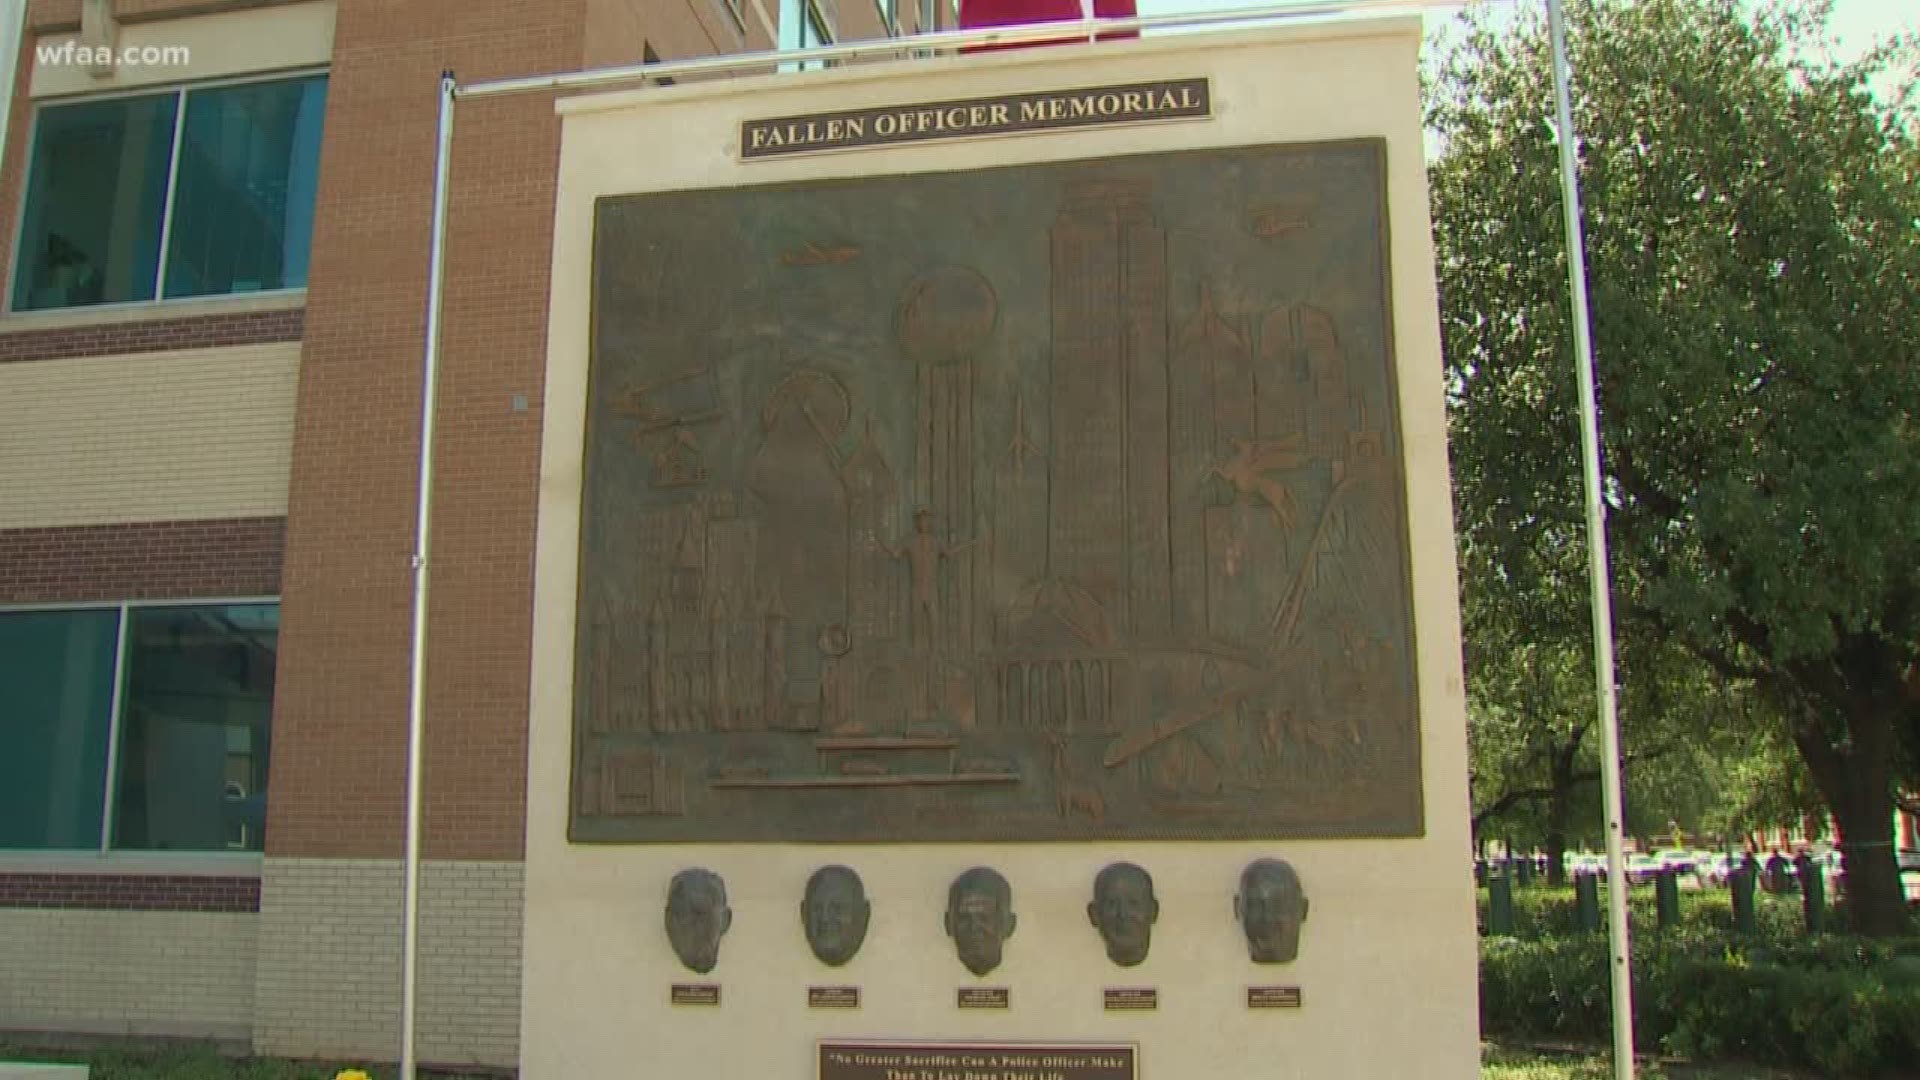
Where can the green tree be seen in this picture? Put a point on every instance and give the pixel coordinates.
(1753, 230)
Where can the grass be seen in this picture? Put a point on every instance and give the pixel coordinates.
(199, 1062)
(1514, 1063)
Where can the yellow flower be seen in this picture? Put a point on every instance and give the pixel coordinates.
(351, 1074)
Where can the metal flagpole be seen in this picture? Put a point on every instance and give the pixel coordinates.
(417, 705)
(1621, 966)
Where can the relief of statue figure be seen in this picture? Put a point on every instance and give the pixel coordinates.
(1124, 910)
(1271, 906)
(924, 552)
(697, 917)
(834, 912)
(980, 917)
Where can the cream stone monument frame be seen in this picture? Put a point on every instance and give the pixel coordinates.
(1384, 983)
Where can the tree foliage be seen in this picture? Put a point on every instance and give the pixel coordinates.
(1753, 231)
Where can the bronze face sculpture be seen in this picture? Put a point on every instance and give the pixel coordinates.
(1271, 906)
(834, 913)
(980, 917)
(697, 916)
(1123, 909)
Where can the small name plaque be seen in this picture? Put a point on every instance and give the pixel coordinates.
(1005, 114)
(982, 997)
(833, 997)
(1273, 997)
(696, 994)
(1131, 998)
(1021, 1061)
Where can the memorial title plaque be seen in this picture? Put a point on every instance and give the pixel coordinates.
(973, 1061)
(1273, 997)
(1008, 114)
(1045, 502)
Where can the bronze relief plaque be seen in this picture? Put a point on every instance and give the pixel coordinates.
(1053, 501)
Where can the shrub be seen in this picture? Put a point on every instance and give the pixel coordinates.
(1841, 1005)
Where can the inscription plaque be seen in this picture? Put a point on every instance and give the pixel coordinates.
(1131, 998)
(975, 1061)
(695, 994)
(833, 997)
(982, 997)
(1045, 502)
(1273, 997)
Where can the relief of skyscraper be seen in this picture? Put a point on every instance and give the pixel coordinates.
(1020, 519)
(1143, 300)
(1088, 396)
(873, 577)
(946, 316)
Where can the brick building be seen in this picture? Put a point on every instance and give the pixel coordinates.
(209, 392)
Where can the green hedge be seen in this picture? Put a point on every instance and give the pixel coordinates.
(1843, 1006)
(1549, 912)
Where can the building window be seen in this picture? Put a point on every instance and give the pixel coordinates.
(813, 32)
(180, 765)
(889, 16)
(202, 191)
(56, 683)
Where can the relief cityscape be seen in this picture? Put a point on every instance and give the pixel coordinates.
(1044, 502)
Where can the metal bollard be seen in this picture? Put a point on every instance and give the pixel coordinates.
(1586, 901)
(1500, 904)
(1741, 884)
(1666, 894)
(1813, 894)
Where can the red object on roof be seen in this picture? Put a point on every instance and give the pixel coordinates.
(975, 14)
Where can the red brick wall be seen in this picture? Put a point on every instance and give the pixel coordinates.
(130, 892)
(341, 706)
(13, 161)
(153, 335)
(164, 560)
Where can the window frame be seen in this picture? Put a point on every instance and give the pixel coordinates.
(179, 91)
(104, 852)
(814, 24)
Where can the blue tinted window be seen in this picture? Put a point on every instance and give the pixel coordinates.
(243, 202)
(56, 696)
(195, 727)
(227, 187)
(96, 194)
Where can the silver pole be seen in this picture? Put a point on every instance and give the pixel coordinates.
(417, 705)
(1622, 969)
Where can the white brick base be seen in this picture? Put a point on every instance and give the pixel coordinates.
(329, 970)
(174, 973)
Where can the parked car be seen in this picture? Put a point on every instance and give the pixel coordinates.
(1717, 869)
(1586, 862)
(1676, 860)
(1642, 869)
